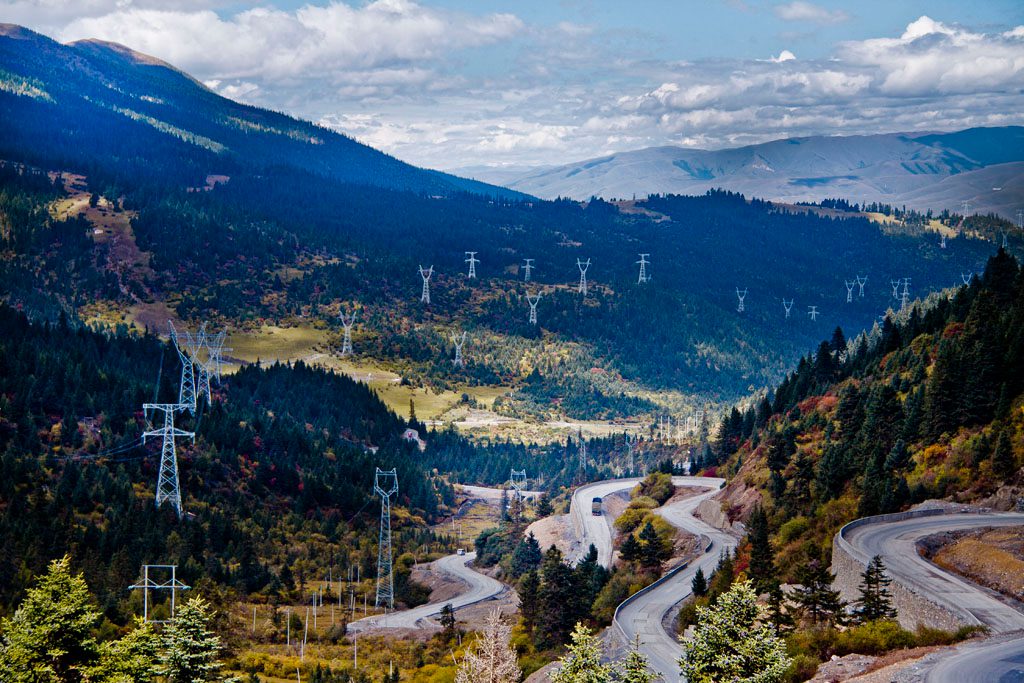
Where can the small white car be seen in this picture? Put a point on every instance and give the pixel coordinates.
(460, 551)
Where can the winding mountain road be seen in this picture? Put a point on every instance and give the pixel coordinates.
(998, 661)
(479, 587)
(644, 613)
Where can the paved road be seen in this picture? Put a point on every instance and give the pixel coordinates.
(644, 615)
(478, 589)
(590, 528)
(1000, 661)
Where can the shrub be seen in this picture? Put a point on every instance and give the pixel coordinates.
(802, 668)
(658, 486)
(874, 638)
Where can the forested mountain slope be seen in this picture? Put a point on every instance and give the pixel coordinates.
(929, 406)
(280, 475)
(68, 104)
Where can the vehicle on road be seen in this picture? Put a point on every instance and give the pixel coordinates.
(595, 506)
(461, 551)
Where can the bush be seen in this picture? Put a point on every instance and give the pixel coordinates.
(630, 519)
(802, 668)
(874, 638)
(793, 529)
(657, 485)
(620, 586)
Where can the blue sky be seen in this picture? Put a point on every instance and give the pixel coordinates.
(453, 83)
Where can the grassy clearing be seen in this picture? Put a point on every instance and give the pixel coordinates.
(271, 343)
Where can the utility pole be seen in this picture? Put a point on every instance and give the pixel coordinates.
(813, 312)
(347, 321)
(861, 281)
(583, 275)
(459, 343)
(788, 305)
(741, 296)
(643, 269)
(425, 274)
(172, 584)
(385, 485)
(472, 261)
(533, 300)
(527, 269)
(167, 488)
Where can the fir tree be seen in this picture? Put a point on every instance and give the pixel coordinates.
(814, 596)
(554, 620)
(654, 551)
(448, 623)
(190, 648)
(762, 558)
(630, 550)
(582, 660)
(529, 599)
(1004, 462)
(732, 643)
(699, 583)
(526, 557)
(544, 508)
(50, 636)
(634, 668)
(875, 602)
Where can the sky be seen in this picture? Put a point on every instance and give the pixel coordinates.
(457, 84)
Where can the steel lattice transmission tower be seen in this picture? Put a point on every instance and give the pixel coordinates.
(347, 321)
(215, 358)
(533, 300)
(187, 388)
(527, 268)
(425, 274)
(788, 305)
(849, 290)
(582, 289)
(905, 295)
(517, 479)
(967, 278)
(812, 311)
(167, 487)
(942, 240)
(385, 485)
(861, 281)
(895, 288)
(201, 369)
(459, 342)
(472, 261)
(741, 296)
(643, 269)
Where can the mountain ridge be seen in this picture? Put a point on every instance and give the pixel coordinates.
(888, 168)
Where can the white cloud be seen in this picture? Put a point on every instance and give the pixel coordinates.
(784, 56)
(805, 11)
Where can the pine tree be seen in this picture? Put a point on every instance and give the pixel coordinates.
(762, 559)
(1004, 462)
(544, 508)
(526, 557)
(875, 602)
(49, 638)
(491, 658)
(448, 623)
(630, 550)
(131, 659)
(699, 584)
(654, 551)
(582, 660)
(554, 620)
(529, 599)
(818, 602)
(190, 648)
(732, 643)
(634, 668)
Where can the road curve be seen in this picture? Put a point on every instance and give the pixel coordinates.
(644, 614)
(999, 661)
(479, 588)
(590, 528)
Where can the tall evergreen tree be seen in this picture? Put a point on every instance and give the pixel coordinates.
(1004, 461)
(582, 660)
(554, 621)
(814, 596)
(529, 599)
(875, 601)
(699, 583)
(762, 569)
(191, 650)
(634, 668)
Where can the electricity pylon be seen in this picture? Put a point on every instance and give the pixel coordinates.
(347, 321)
(861, 281)
(813, 312)
(895, 288)
(942, 240)
(788, 305)
(583, 275)
(533, 301)
(459, 343)
(215, 355)
(173, 584)
(741, 296)
(643, 269)
(849, 290)
(425, 274)
(517, 479)
(472, 261)
(167, 488)
(905, 296)
(200, 368)
(967, 278)
(385, 485)
(528, 268)
(187, 388)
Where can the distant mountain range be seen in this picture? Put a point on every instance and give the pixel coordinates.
(984, 166)
(89, 99)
